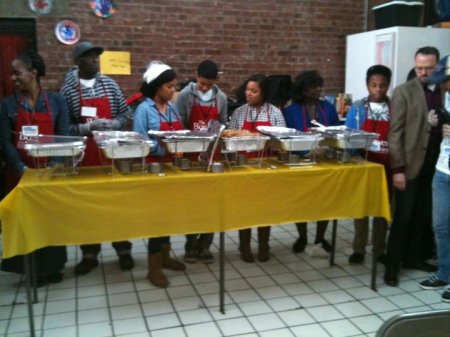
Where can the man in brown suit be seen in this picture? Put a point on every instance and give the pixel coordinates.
(413, 152)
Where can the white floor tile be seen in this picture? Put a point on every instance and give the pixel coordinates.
(93, 316)
(122, 299)
(127, 326)
(157, 308)
(266, 322)
(340, 328)
(163, 321)
(66, 332)
(367, 324)
(336, 296)
(255, 308)
(203, 330)
(310, 300)
(325, 313)
(277, 333)
(352, 309)
(194, 316)
(125, 312)
(170, 332)
(296, 317)
(378, 305)
(235, 326)
(102, 329)
(310, 330)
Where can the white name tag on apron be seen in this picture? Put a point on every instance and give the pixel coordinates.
(88, 111)
(30, 130)
(375, 146)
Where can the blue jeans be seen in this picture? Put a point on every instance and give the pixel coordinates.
(441, 223)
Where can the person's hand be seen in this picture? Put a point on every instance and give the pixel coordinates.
(399, 181)
(433, 117)
(446, 130)
(100, 124)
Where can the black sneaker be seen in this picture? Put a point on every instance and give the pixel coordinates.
(422, 265)
(126, 262)
(299, 245)
(191, 256)
(205, 256)
(85, 266)
(432, 283)
(325, 245)
(356, 258)
(446, 295)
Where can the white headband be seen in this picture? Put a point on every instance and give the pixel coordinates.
(154, 70)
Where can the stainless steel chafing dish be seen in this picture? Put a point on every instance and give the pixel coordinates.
(244, 143)
(291, 139)
(53, 146)
(123, 144)
(346, 138)
(185, 140)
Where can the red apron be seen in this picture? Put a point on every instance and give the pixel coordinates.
(199, 119)
(251, 125)
(92, 154)
(166, 125)
(201, 115)
(44, 121)
(306, 118)
(380, 153)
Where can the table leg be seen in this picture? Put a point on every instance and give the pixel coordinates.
(33, 276)
(28, 276)
(333, 242)
(373, 278)
(222, 273)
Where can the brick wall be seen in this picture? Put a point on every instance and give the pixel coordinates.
(243, 36)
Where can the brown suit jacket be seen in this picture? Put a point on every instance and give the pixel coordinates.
(409, 128)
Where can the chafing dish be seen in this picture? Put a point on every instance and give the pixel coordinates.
(346, 138)
(53, 146)
(291, 139)
(123, 144)
(244, 143)
(185, 140)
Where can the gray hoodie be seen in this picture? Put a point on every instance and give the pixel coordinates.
(185, 102)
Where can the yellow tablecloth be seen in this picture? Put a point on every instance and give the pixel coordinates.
(94, 206)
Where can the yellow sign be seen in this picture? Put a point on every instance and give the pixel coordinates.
(115, 63)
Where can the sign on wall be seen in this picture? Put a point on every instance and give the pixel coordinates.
(115, 63)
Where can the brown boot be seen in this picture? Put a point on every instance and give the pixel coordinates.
(155, 273)
(168, 262)
(244, 245)
(263, 240)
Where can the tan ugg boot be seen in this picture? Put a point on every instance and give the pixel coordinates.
(244, 245)
(168, 262)
(155, 274)
(263, 241)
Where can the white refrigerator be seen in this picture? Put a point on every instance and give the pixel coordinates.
(394, 47)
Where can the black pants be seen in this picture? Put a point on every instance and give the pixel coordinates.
(412, 221)
(91, 251)
(155, 244)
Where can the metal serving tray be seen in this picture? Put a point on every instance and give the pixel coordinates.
(54, 146)
(346, 138)
(123, 144)
(244, 143)
(187, 144)
(291, 139)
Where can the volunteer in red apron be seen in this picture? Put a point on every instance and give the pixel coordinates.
(257, 112)
(95, 103)
(306, 106)
(29, 112)
(200, 102)
(157, 113)
(372, 114)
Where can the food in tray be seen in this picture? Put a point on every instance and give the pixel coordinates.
(54, 146)
(238, 133)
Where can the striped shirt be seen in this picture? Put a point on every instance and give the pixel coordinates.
(237, 119)
(104, 86)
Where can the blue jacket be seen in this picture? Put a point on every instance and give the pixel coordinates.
(295, 115)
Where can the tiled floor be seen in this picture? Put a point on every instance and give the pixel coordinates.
(290, 295)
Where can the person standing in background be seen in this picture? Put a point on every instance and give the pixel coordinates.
(441, 187)
(372, 114)
(413, 152)
(198, 103)
(29, 112)
(95, 102)
(307, 106)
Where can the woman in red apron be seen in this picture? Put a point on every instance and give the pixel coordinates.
(257, 112)
(29, 112)
(372, 114)
(306, 107)
(156, 112)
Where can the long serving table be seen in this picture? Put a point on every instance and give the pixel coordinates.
(94, 206)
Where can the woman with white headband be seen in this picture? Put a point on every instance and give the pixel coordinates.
(156, 112)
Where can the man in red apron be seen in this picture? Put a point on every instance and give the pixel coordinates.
(198, 103)
(95, 102)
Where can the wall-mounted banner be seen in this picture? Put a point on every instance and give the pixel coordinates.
(41, 7)
(67, 32)
(103, 8)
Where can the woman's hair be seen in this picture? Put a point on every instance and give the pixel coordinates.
(379, 70)
(305, 80)
(263, 83)
(150, 89)
(33, 61)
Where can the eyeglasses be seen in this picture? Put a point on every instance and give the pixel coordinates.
(426, 69)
